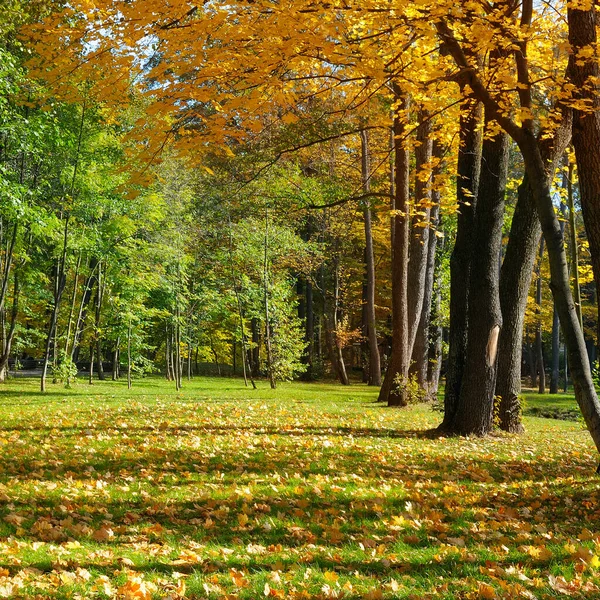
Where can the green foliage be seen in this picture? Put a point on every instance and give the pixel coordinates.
(65, 371)
(410, 389)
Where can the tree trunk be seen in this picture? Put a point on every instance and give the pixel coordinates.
(390, 392)
(129, 355)
(515, 281)
(8, 336)
(310, 331)
(73, 304)
(555, 373)
(58, 292)
(475, 408)
(99, 299)
(115, 365)
(374, 358)
(419, 235)
(468, 171)
(270, 362)
(584, 72)
(339, 362)
(574, 246)
(91, 374)
(420, 351)
(83, 308)
(539, 348)
(585, 392)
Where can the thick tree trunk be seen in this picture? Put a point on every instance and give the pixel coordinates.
(475, 409)
(371, 321)
(468, 171)
(400, 233)
(584, 72)
(515, 280)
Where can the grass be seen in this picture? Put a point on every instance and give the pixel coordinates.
(308, 491)
(551, 406)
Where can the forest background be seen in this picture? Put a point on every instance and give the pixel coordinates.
(289, 190)
(401, 193)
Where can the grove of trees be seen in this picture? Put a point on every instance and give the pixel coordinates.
(404, 191)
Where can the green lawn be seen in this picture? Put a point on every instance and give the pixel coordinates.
(554, 406)
(308, 491)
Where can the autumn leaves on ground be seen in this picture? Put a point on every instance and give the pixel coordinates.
(308, 491)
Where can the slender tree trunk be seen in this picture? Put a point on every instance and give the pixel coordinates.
(555, 373)
(115, 365)
(539, 348)
(468, 172)
(270, 364)
(255, 352)
(83, 308)
(475, 409)
(99, 300)
(374, 358)
(420, 351)
(574, 246)
(215, 355)
(129, 355)
(58, 292)
(73, 304)
(167, 352)
(91, 377)
(310, 331)
(419, 236)
(9, 335)
(397, 370)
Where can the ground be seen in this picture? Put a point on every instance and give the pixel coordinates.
(307, 491)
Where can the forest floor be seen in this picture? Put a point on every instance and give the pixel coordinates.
(307, 491)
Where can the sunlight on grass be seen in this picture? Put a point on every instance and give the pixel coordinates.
(307, 491)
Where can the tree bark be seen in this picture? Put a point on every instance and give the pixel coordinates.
(59, 287)
(468, 172)
(574, 246)
(420, 352)
(539, 348)
(515, 280)
(419, 236)
(555, 372)
(391, 393)
(475, 409)
(8, 336)
(584, 72)
(371, 321)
